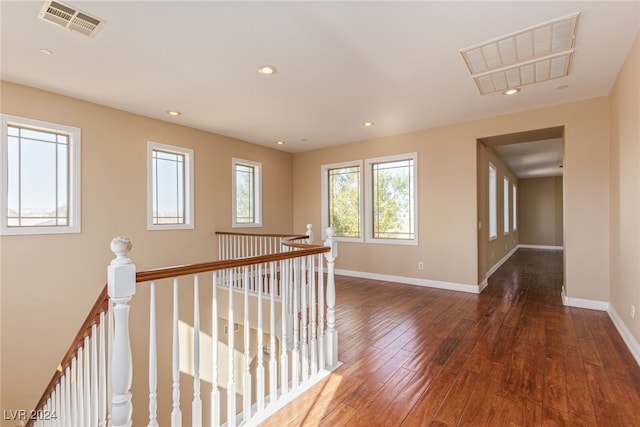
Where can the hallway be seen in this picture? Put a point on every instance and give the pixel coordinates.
(513, 355)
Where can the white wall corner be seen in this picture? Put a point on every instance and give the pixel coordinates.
(473, 289)
(628, 338)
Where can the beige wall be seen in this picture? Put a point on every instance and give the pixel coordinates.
(540, 211)
(114, 187)
(625, 191)
(50, 282)
(448, 217)
(492, 251)
(446, 196)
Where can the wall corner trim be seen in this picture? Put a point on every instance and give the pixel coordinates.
(625, 333)
(474, 289)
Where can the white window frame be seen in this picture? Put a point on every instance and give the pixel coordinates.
(505, 200)
(73, 176)
(325, 199)
(188, 184)
(515, 209)
(257, 170)
(493, 202)
(369, 199)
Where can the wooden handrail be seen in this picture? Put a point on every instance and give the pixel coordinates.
(286, 236)
(102, 302)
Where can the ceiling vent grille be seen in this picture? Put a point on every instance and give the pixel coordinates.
(536, 54)
(70, 18)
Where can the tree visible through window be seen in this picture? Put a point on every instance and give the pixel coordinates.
(393, 199)
(344, 201)
(246, 193)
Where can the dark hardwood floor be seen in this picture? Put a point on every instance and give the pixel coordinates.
(513, 355)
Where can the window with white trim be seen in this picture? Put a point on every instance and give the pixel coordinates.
(170, 196)
(40, 177)
(391, 199)
(342, 200)
(505, 201)
(515, 209)
(246, 189)
(493, 202)
(385, 212)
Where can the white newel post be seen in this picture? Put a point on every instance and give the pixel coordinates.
(121, 280)
(332, 332)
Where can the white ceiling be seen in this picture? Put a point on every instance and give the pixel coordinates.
(339, 63)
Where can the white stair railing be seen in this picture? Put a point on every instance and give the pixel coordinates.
(277, 299)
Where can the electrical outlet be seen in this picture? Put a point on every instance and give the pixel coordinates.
(420, 265)
(633, 311)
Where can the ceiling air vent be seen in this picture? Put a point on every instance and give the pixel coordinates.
(70, 18)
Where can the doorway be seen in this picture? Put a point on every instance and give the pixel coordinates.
(520, 195)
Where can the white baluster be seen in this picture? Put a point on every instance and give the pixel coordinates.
(153, 358)
(94, 375)
(314, 325)
(273, 366)
(121, 286)
(246, 404)
(321, 314)
(80, 387)
(74, 394)
(260, 368)
(196, 406)
(284, 361)
(332, 332)
(59, 402)
(295, 353)
(231, 386)
(87, 382)
(67, 397)
(305, 326)
(102, 368)
(176, 414)
(215, 393)
(309, 234)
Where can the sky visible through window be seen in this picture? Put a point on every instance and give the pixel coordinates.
(37, 177)
(168, 188)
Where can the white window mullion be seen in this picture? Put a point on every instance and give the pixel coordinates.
(170, 178)
(39, 217)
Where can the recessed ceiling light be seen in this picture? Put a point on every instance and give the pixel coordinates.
(46, 52)
(267, 70)
(368, 124)
(173, 113)
(280, 142)
(511, 91)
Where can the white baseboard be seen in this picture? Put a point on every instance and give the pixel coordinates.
(553, 248)
(584, 303)
(411, 281)
(625, 333)
(498, 264)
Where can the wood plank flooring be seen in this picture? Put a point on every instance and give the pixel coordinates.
(511, 356)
